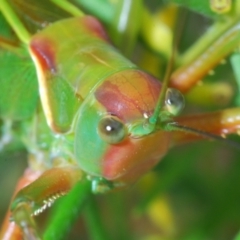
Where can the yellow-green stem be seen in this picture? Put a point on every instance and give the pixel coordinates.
(14, 21)
(70, 8)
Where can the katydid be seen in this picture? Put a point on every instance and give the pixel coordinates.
(101, 116)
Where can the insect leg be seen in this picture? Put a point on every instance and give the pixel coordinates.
(9, 230)
(219, 123)
(40, 194)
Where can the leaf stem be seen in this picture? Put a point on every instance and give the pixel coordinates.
(69, 7)
(14, 21)
(93, 221)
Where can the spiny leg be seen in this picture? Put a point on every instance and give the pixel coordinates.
(36, 197)
(9, 230)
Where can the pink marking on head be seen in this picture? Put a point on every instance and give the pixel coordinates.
(44, 50)
(134, 157)
(129, 94)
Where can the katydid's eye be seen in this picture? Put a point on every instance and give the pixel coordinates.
(111, 130)
(174, 101)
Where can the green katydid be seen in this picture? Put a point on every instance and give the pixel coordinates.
(104, 115)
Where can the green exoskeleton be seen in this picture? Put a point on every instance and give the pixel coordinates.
(102, 119)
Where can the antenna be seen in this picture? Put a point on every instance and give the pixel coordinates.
(174, 126)
(153, 119)
(161, 100)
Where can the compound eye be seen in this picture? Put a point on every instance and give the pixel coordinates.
(174, 101)
(112, 130)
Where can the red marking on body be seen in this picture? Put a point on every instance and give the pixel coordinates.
(132, 158)
(129, 94)
(94, 27)
(44, 50)
(115, 101)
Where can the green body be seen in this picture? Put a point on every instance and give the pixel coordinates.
(82, 79)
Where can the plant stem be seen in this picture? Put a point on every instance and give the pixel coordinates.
(93, 221)
(14, 21)
(67, 211)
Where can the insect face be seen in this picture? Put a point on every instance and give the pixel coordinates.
(111, 138)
